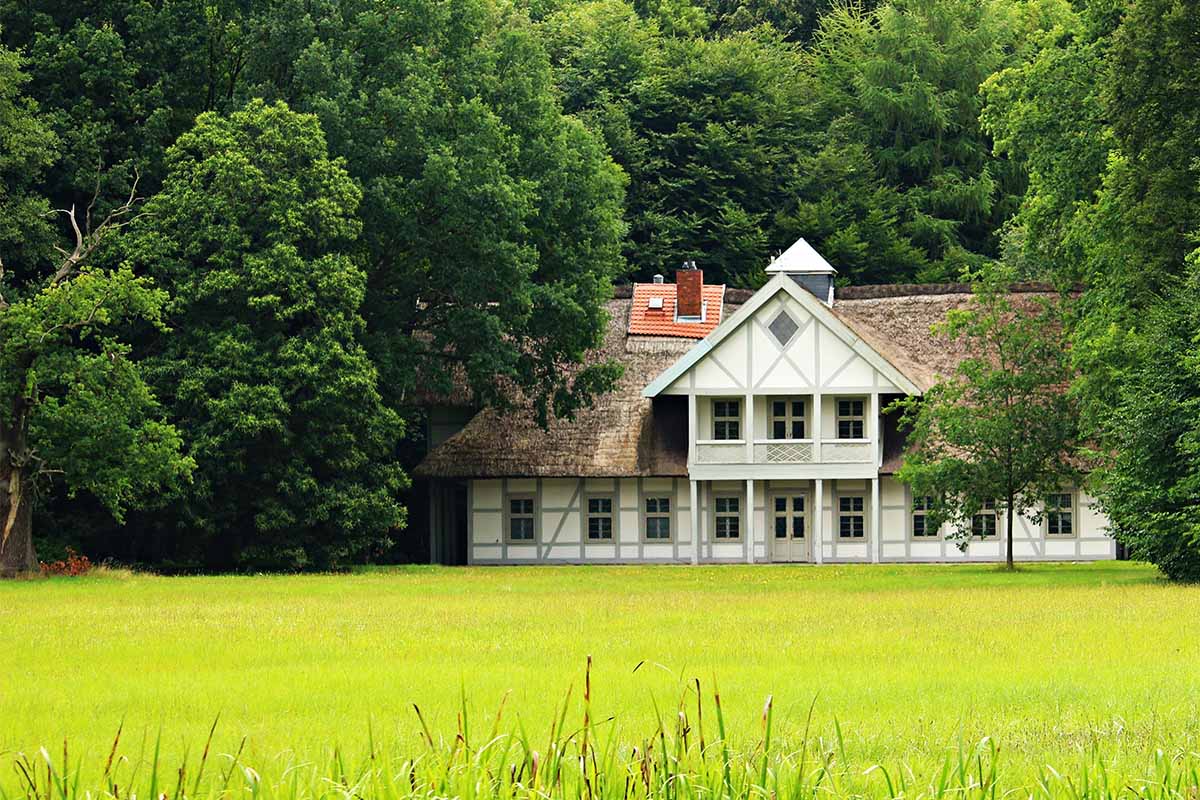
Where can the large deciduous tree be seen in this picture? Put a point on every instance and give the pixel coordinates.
(73, 406)
(491, 220)
(265, 372)
(1002, 428)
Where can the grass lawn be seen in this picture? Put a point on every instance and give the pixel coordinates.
(1059, 665)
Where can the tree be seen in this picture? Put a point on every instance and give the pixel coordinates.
(491, 220)
(709, 131)
(1151, 484)
(265, 373)
(119, 80)
(1109, 125)
(1002, 428)
(901, 84)
(73, 405)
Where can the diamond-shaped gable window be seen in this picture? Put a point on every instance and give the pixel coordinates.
(783, 328)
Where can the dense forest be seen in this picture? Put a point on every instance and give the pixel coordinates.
(236, 238)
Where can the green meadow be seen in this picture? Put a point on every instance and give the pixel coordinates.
(883, 681)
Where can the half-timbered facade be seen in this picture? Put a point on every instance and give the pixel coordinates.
(748, 427)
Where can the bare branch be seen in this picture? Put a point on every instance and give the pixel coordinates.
(87, 239)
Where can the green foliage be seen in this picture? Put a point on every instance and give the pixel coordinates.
(1150, 488)
(1001, 429)
(491, 221)
(867, 142)
(718, 124)
(898, 98)
(120, 79)
(27, 149)
(1106, 118)
(76, 410)
(267, 377)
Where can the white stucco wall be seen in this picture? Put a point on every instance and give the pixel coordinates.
(560, 512)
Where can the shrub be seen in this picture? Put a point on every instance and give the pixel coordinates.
(72, 566)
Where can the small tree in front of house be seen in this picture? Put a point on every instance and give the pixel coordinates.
(1002, 428)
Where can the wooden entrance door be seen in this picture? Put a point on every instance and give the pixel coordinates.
(789, 526)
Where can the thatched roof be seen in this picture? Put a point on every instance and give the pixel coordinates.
(896, 321)
(627, 435)
(622, 435)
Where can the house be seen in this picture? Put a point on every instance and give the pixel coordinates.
(748, 427)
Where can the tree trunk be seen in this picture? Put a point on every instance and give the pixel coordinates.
(16, 498)
(16, 518)
(1008, 533)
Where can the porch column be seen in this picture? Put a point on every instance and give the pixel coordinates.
(876, 432)
(818, 521)
(748, 431)
(749, 520)
(695, 498)
(876, 521)
(814, 426)
(692, 431)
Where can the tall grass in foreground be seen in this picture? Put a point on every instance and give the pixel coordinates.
(581, 758)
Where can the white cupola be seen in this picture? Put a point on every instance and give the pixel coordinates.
(806, 267)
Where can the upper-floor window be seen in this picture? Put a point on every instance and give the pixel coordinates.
(727, 520)
(788, 420)
(521, 526)
(658, 518)
(727, 419)
(983, 524)
(852, 517)
(1060, 517)
(850, 419)
(600, 518)
(922, 525)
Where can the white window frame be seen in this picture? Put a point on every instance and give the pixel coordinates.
(657, 514)
(718, 515)
(789, 418)
(610, 515)
(988, 510)
(725, 419)
(922, 511)
(1068, 509)
(509, 516)
(860, 514)
(860, 418)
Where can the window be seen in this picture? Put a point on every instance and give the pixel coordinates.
(728, 521)
(983, 524)
(787, 418)
(1060, 517)
(520, 519)
(600, 518)
(727, 419)
(850, 419)
(658, 519)
(922, 526)
(851, 518)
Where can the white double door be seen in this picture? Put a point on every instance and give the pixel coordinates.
(789, 526)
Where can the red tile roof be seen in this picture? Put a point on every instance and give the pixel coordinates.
(648, 321)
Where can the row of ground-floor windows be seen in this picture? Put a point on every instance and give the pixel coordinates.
(789, 518)
(1059, 515)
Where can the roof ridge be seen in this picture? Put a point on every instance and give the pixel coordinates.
(880, 290)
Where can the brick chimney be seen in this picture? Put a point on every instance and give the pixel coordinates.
(689, 290)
